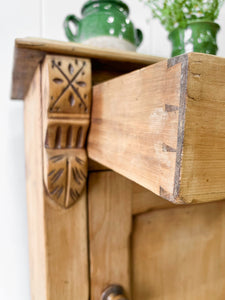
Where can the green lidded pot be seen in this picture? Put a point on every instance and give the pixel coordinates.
(198, 36)
(105, 23)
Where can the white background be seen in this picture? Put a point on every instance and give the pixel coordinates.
(41, 18)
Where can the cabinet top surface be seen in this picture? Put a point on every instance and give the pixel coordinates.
(71, 48)
(29, 52)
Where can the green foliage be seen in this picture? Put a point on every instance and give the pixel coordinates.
(178, 13)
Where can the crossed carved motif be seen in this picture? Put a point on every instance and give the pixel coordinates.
(70, 83)
(66, 113)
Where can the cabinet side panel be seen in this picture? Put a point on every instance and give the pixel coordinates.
(35, 189)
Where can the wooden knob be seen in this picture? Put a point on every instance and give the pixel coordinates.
(113, 292)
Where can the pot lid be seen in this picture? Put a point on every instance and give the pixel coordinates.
(118, 2)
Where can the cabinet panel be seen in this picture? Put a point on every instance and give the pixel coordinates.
(179, 253)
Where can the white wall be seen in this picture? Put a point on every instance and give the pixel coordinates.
(21, 18)
(17, 18)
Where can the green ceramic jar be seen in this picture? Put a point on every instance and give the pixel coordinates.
(198, 36)
(104, 18)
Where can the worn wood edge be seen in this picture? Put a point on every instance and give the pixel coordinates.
(18, 91)
(183, 60)
(35, 191)
(197, 94)
(71, 48)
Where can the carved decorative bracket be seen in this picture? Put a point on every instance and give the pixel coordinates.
(66, 102)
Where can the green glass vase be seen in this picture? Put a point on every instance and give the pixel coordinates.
(101, 20)
(198, 36)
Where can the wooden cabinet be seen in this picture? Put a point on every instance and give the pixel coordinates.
(125, 164)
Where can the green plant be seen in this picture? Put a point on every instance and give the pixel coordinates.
(178, 13)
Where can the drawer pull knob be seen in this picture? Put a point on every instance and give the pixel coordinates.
(113, 292)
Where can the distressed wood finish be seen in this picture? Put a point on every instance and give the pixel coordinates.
(57, 236)
(26, 62)
(134, 126)
(163, 127)
(106, 64)
(109, 196)
(179, 253)
(66, 104)
(203, 165)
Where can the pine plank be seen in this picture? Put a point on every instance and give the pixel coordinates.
(67, 259)
(203, 165)
(57, 236)
(106, 63)
(35, 190)
(179, 253)
(109, 197)
(75, 49)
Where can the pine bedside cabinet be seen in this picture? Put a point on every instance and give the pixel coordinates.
(125, 170)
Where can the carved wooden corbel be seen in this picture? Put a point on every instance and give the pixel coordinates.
(66, 102)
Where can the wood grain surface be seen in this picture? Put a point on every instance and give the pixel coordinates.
(25, 64)
(109, 198)
(77, 49)
(179, 253)
(134, 126)
(35, 190)
(57, 236)
(203, 163)
(163, 127)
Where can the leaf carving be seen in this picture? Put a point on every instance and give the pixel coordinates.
(66, 176)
